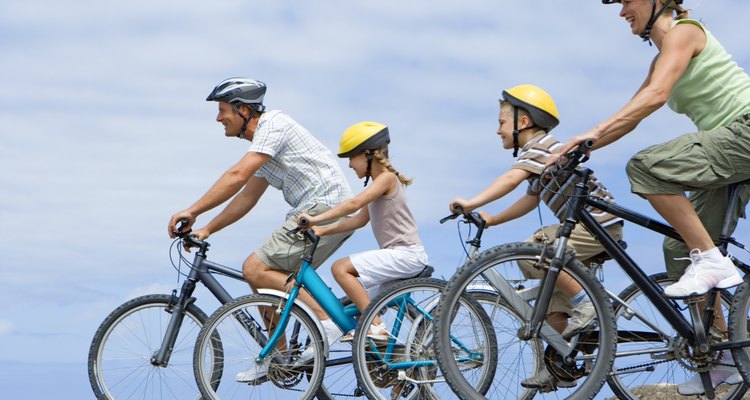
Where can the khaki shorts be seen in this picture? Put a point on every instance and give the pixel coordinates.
(284, 253)
(702, 163)
(585, 247)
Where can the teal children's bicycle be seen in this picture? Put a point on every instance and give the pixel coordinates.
(273, 345)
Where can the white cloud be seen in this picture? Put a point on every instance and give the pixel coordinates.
(6, 327)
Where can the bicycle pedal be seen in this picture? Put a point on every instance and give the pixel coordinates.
(692, 299)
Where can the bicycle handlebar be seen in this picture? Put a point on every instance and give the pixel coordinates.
(472, 217)
(187, 238)
(577, 156)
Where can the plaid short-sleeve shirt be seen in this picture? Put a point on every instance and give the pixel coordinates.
(301, 167)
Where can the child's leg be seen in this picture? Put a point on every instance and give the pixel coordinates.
(346, 276)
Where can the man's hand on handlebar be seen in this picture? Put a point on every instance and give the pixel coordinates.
(185, 221)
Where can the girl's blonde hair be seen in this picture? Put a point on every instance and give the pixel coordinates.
(381, 155)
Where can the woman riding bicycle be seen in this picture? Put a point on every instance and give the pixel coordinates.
(695, 76)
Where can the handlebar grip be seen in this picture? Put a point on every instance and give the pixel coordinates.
(586, 146)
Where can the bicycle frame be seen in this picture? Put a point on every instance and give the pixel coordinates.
(342, 316)
(577, 213)
(201, 271)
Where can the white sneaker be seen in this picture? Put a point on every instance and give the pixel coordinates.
(332, 334)
(254, 374)
(721, 374)
(703, 275)
(583, 313)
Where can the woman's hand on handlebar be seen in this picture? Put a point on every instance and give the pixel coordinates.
(571, 145)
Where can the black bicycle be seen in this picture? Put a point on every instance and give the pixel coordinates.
(663, 347)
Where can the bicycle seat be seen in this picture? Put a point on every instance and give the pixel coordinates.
(425, 273)
(604, 256)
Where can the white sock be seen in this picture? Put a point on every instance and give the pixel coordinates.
(713, 255)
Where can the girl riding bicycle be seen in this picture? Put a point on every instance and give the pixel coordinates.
(401, 254)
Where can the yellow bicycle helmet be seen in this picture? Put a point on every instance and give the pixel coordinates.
(364, 137)
(537, 103)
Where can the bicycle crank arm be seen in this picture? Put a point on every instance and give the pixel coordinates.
(403, 377)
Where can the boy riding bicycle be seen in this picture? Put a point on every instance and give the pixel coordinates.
(527, 114)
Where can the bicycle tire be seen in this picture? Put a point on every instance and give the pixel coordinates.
(640, 362)
(337, 381)
(124, 370)
(412, 343)
(739, 327)
(240, 350)
(599, 340)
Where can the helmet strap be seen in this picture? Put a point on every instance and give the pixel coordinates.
(368, 154)
(646, 35)
(244, 123)
(515, 132)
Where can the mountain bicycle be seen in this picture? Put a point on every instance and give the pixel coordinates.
(144, 348)
(268, 332)
(666, 347)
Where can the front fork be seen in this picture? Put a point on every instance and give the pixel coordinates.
(176, 307)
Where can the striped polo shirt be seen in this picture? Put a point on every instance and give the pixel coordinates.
(533, 158)
(301, 167)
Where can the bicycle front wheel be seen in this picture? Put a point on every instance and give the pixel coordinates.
(243, 326)
(588, 357)
(651, 359)
(119, 361)
(403, 365)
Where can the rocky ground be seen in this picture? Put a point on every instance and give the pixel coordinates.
(669, 392)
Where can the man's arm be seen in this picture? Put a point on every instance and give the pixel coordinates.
(227, 186)
(237, 208)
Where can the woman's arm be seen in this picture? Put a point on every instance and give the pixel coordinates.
(680, 45)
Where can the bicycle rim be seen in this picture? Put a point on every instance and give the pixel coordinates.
(591, 357)
(232, 324)
(405, 366)
(120, 355)
(648, 350)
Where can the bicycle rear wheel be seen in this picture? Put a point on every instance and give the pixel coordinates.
(119, 361)
(242, 325)
(497, 271)
(648, 361)
(404, 366)
(739, 327)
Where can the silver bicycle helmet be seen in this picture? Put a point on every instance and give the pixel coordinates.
(240, 90)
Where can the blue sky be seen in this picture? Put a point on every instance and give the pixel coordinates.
(104, 132)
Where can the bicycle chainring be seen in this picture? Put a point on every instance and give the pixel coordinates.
(283, 376)
(562, 371)
(693, 362)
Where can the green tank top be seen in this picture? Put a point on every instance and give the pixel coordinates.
(713, 91)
